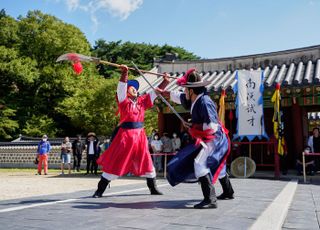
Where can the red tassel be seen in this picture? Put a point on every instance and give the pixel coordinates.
(77, 67)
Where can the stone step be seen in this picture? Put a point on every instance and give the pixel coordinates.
(273, 217)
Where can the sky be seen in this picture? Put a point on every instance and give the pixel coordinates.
(207, 28)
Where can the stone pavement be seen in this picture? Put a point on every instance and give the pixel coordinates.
(130, 207)
(305, 207)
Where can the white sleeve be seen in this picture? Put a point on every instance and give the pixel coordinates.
(153, 95)
(211, 125)
(175, 96)
(121, 91)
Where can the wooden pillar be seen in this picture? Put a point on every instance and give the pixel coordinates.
(276, 161)
(161, 123)
(297, 141)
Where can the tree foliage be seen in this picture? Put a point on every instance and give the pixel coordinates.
(140, 53)
(7, 124)
(38, 95)
(32, 84)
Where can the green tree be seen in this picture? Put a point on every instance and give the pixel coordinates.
(44, 38)
(141, 53)
(32, 83)
(8, 32)
(39, 96)
(7, 124)
(92, 105)
(38, 125)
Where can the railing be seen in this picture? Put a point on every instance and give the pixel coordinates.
(165, 160)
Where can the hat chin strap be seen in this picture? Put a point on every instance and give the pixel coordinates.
(129, 95)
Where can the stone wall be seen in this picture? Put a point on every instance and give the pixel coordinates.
(23, 157)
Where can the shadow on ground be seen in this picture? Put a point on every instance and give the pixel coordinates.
(180, 204)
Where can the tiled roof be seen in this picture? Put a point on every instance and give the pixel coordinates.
(291, 68)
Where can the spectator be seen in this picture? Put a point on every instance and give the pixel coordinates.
(157, 146)
(92, 143)
(77, 148)
(167, 145)
(176, 145)
(309, 163)
(176, 142)
(66, 147)
(43, 150)
(151, 138)
(185, 139)
(314, 144)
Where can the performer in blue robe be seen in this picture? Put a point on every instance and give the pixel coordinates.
(204, 162)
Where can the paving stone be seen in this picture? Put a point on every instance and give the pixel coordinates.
(173, 210)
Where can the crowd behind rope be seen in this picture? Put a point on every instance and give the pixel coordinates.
(72, 152)
(166, 144)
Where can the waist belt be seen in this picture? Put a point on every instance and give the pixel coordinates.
(132, 125)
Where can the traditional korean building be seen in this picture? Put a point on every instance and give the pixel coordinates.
(298, 72)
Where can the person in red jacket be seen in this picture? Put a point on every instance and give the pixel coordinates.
(129, 152)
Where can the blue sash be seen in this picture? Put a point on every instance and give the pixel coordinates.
(132, 125)
(126, 125)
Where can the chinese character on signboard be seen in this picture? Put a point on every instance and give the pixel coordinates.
(249, 104)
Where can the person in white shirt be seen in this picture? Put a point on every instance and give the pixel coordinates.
(157, 147)
(176, 142)
(92, 143)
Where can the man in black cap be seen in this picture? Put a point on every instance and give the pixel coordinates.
(77, 148)
(209, 160)
(92, 143)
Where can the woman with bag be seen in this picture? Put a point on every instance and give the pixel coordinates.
(66, 154)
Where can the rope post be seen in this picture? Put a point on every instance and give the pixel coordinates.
(304, 167)
(165, 166)
(245, 167)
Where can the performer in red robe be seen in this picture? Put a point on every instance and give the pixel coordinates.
(129, 152)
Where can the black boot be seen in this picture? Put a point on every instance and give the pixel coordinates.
(151, 182)
(227, 189)
(102, 185)
(209, 194)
